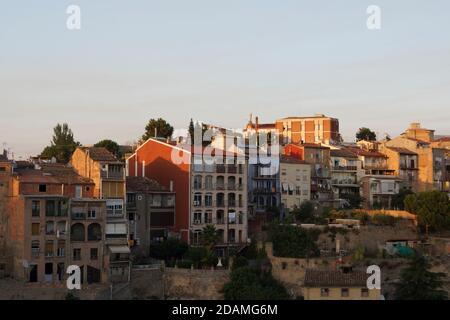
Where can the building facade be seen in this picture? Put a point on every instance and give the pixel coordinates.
(108, 175)
(315, 129)
(295, 182)
(151, 213)
(53, 222)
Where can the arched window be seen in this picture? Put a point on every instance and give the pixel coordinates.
(220, 200)
(209, 182)
(77, 232)
(94, 232)
(198, 182)
(231, 200)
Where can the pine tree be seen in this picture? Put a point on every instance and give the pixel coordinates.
(418, 283)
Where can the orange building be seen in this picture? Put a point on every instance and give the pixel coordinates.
(315, 129)
(153, 159)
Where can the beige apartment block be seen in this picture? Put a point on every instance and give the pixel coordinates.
(431, 159)
(295, 181)
(219, 198)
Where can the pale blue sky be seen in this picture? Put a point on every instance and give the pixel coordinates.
(218, 61)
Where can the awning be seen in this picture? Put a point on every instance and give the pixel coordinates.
(119, 249)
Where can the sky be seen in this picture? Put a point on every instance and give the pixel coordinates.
(219, 61)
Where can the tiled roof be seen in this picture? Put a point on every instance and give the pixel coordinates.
(367, 153)
(313, 145)
(52, 173)
(326, 278)
(402, 150)
(100, 154)
(143, 185)
(344, 153)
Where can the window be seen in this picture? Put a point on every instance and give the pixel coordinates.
(208, 200)
(209, 182)
(35, 247)
(42, 188)
(78, 192)
(197, 217)
(35, 208)
(208, 217)
(2, 169)
(92, 214)
(197, 199)
(35, 229)
(344, 292)
(61, 251)
(364, 292)
(197, 182)
(50, 208)
(49, 227)
(94, 253)
(76, 254)
(324, 292)
(49, 248)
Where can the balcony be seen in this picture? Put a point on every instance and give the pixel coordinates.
(344, 168)
(112, 175)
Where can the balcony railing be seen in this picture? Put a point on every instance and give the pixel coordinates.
(112, 175)
(344, 168)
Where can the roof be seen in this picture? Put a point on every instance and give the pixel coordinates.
(262, 125)
(143, 185)
(367, 153)
(52, 174)
(313, 145)
(344, 153)
(100, 154)
(416, 140)
(402, 150)
(442, 139)
(306, 117)
(290, 159)
(327, 278)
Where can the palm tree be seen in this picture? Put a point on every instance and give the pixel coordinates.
(209, 236)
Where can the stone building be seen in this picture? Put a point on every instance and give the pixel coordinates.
(151, 213)
(53, 222)
(108, 175)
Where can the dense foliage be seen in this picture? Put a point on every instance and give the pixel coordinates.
(62, 145)
(365, 134)
(111, 146)
(249, 283)
(293, 242)
(432, 209)
(162, 127)
(418, 283)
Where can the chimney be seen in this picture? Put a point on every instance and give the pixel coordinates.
(256, 123)
(5, 153)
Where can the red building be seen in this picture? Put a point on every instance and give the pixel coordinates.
(170, 166)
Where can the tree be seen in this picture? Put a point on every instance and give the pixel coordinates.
(398, 200)
(209, 236)
(248, 283)
(163, 129)
(305, 213)
(293, 242)
(62, 145)
(111, 146)
(432, 209)
(418, 283)
(353, 201)
(365, 134)
(169, 249)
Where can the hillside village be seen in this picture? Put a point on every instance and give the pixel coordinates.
(287, 210)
